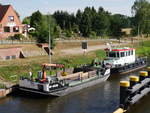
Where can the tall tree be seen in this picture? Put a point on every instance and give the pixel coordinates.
(36, 20)
(118, 22)
(141, 13)
(26, 20)
(78, 19)
(101, 24)
(85, 25)
(42, 23)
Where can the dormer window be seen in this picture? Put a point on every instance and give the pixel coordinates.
(10, 18)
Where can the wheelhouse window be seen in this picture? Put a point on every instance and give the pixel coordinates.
(10, 18)
(118, 54)
(6, 29)
(122, 54)
(126, 53)
(131, 52)
(112, 54)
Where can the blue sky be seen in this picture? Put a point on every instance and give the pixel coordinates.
(27, 7)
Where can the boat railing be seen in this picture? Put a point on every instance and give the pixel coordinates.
(141, 58)
(23, 78)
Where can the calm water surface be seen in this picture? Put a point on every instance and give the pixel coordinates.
(103, 98)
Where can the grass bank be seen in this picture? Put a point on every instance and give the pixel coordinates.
(16, 68)
(12, 70)
(143, 49)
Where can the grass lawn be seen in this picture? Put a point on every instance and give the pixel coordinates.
(143, 49)
(12, 70)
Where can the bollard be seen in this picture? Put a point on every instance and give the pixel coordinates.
(133, 80)
(143, 75)
(148, 69)
(131, 92)
(119, 110)
(124, 85)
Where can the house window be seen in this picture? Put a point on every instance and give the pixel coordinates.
(6, 29)
(16, 29)
(10, 18)
(13, 56)
(7, 57)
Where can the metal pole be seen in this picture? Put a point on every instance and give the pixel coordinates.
(50, 60)
(139, 35)
(49, 45)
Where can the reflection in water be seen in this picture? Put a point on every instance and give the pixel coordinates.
(102, 98)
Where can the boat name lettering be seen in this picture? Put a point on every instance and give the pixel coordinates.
(53, 86)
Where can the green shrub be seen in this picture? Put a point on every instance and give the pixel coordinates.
(2, 86)
(17, 37)
(93, 35)
(68, 33)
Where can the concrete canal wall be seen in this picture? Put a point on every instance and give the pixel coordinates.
(4, 92)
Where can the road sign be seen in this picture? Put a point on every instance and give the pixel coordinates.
(84, 45)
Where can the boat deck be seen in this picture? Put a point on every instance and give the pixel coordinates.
(77, 82)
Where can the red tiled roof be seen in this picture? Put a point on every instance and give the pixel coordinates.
(3, 10)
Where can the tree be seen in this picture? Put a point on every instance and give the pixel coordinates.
(36, 20)
(26, 20)
(57, 32)
(75, 28)
(85, 25)
(44, 24)
(141, 13)
(118, 22)
(101, 22)
(90, 21)
(78, 17)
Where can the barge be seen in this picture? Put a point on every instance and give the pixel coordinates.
(63, 83)
(123, 60)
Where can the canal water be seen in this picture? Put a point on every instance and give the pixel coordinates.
(102, 98)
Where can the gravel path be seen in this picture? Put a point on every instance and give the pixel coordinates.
(79, 50)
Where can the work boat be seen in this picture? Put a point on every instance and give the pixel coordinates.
(65, 81)
(123, 60)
